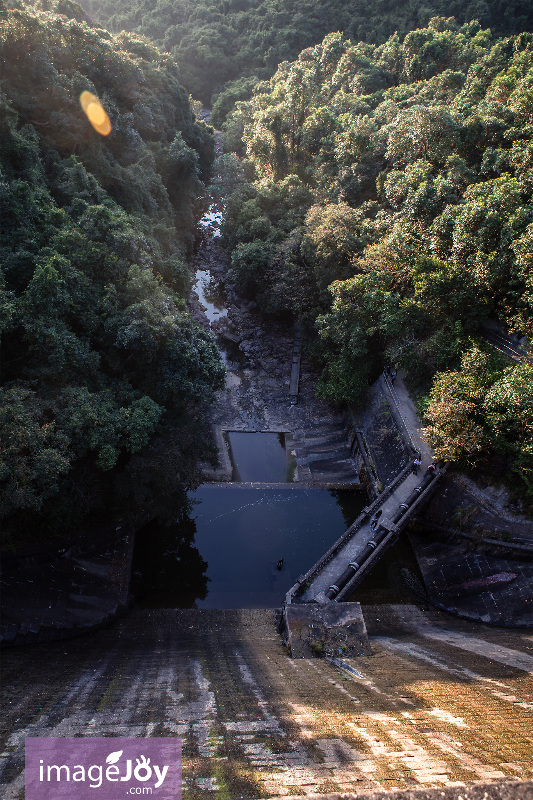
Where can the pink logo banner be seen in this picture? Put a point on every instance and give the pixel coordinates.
(102, 768)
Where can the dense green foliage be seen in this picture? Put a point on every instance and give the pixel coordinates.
(380, 190)
(388, 203)
(219, 45)
(481, 409)
(98, 353)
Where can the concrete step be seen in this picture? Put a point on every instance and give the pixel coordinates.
(334, 428)
(322, 439)
(323, 453)
(333, 470)
(341, 454)
(329, 448)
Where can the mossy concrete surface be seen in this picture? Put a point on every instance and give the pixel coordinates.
(440, 703)
(484, 791)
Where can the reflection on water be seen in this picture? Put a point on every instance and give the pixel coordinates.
(241, 533)
(261, 457)
(168, 571)
(209, 295)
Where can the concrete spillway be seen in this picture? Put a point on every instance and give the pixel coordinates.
(440, 702)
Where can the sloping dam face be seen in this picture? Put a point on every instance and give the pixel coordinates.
(439, 702)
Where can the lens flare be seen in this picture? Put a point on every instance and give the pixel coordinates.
(96, 113)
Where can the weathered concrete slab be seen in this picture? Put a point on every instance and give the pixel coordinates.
(331, 629)
(485, 511)
(431, 708)
(490, 587)
(508, 790)
(383, 438)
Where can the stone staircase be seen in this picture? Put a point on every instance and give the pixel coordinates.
(323, 454)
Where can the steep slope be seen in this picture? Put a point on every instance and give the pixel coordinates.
(98, 353)
(439, 703)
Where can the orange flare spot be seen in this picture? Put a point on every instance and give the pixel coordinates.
(96, 113)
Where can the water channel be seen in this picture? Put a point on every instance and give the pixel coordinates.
(225, 553)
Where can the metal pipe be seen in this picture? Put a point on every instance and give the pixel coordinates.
(380, 535)
(354, 566)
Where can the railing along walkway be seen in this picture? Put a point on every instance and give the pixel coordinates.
(362, 545)
(345, 564)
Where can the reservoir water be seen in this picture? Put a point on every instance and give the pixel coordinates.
(225, 553)
(264, 457)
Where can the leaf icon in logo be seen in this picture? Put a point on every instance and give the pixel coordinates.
(114, 757)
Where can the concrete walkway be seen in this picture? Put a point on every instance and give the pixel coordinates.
(323, 575)
(401, 396)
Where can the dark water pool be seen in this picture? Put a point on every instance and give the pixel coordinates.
(263, 457)
(224, 555)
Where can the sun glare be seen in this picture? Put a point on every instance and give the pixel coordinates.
(96, 113)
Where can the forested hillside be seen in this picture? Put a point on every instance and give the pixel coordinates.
(227, 44)
(380, 191)
(99, 357)
(388, 204)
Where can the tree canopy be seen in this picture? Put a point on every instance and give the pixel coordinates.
(382, 184)
(388, 205)
(223, 46)
(98, 352)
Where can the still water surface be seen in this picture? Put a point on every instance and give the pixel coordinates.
(264, 457)
(225, 554)
(209, 295)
